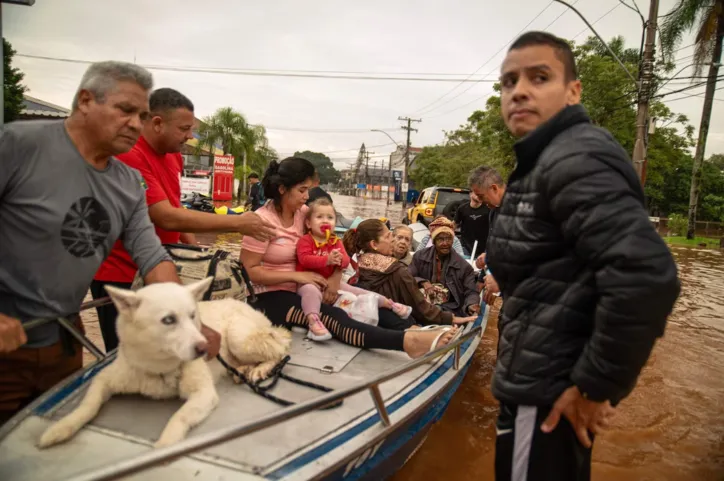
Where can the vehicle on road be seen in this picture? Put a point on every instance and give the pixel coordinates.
(432, 202)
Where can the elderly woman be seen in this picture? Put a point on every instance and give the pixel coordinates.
(382, 273)
(272, 268)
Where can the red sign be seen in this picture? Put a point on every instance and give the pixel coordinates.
(223, 177)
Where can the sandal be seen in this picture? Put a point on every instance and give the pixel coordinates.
(445, 329)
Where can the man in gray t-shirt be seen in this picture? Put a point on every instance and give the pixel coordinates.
(64, 201)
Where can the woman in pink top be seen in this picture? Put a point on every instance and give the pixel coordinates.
(272, 269)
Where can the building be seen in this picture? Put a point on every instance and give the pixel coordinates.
(36, 109)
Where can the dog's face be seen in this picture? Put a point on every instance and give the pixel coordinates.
(162, 319)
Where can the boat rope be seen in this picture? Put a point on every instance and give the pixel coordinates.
(262, 387)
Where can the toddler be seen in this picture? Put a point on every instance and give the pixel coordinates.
(321, 251)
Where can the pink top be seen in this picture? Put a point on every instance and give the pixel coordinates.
(279, 254)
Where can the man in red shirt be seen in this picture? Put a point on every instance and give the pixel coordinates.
(157, 157)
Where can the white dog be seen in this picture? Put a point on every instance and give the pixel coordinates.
(161, 350)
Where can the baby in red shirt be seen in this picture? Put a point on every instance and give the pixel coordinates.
(321, 251)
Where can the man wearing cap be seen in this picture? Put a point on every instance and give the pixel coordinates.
(443, 273)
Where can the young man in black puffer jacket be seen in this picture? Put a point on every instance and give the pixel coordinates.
(587, 282)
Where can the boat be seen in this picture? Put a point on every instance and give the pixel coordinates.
(389, 403)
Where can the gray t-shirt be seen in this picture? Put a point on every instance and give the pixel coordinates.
(59, 218)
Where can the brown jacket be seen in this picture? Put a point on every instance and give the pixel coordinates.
(389, 277)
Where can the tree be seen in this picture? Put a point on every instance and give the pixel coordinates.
(236, 136)
(13, 89)
(328, 174)
(708, 17)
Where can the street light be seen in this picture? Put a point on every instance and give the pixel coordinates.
(27, 3)
(389, 163)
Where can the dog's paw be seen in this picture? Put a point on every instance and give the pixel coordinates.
(259, 373)
(244, 370)
(57, 433)
(170, 435)
(167, 440)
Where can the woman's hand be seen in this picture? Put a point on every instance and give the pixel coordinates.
(330, 295)
(311, 278)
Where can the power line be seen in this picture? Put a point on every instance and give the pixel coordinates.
(635, 8)
(695, 95)
(260, 73)
(659, 96)
(357, 148)
(426, 107)
(597, 20)
(327, 131)
(491, 92)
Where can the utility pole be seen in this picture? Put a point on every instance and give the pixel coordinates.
(408, 128)
(389, 178)
(367, 169)
(646, 74)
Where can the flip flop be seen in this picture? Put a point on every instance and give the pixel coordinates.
(439, 336)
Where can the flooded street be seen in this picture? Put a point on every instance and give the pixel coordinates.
(671, 428)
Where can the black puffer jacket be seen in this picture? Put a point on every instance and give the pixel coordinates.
(587, 281)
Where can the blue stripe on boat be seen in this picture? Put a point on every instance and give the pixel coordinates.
(344, 437)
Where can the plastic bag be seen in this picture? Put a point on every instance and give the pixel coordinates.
(362, 308)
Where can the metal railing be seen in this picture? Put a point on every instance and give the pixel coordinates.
(156, 457)
(68, 326)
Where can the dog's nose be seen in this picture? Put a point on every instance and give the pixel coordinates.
(201, 348)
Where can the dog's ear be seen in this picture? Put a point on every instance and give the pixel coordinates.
(199, 288)
(124, 299)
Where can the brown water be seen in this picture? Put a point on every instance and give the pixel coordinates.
(671, 428)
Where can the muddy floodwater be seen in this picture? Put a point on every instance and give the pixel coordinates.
(671, 428)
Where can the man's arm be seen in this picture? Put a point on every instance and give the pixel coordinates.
(174, 219)
(144, 246)
(416, 272)
(188, 238)
(598, 203)
(164, 271)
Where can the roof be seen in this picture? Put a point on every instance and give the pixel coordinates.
(40, 108)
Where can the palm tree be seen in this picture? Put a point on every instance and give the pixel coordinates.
(236, 136)
(707, 16)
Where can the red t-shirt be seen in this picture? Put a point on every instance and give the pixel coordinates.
(313, 257)
(162, 174)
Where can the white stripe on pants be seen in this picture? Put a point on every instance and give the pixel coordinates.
(524, 428)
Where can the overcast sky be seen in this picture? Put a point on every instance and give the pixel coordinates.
(401, 36)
